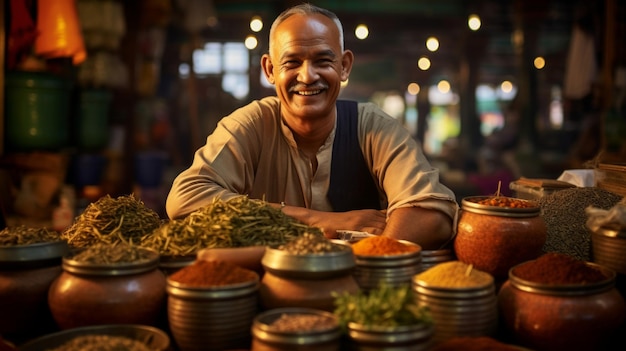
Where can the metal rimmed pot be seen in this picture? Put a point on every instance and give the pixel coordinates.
(397, 269)
(212, 318)
(416, 337)
(306, 280)
(609, 248)
(119, 293)
(463, 303)
(579, 316)
(304, 329)
(496, 238)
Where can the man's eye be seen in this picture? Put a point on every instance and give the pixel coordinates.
(291, 64)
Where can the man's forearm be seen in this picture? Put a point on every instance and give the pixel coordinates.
(431, 229)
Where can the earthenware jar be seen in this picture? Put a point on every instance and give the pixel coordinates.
(558, 316)
(116, 293)
(306, 280)
(495, 233)
(26, 273)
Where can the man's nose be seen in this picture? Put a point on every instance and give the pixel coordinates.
(307, 73)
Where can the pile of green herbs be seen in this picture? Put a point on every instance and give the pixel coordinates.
(385, 306)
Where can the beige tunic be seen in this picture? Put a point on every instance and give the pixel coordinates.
(252, 152)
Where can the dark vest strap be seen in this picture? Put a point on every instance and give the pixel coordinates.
(351, 184)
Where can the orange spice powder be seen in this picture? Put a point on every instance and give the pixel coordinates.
(382, 245)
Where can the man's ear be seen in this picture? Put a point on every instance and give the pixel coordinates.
(268, 68)
(346, 64)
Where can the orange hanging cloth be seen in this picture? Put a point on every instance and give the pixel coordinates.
(59, 31)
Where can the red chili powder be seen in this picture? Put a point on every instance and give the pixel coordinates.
(207, 273)
(558, 268)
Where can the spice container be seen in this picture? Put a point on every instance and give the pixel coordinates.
(211, 305)
(431, 258)
(102, 337)
(557, 302)
(108, 284)
(609, 248)
(30, 260)
(495, 233)
(384, 318)
(608, 236)
(303, 329)
(305, 272)
(383, 260)
(461, 299)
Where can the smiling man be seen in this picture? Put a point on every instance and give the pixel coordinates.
(333, 164)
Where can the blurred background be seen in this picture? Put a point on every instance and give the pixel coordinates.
(113, 97)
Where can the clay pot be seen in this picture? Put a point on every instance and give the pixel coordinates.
(561, 317)
(24, 299)
(90, 294)
(307, 280)
(494, 238)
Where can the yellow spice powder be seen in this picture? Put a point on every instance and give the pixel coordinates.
(454, 274)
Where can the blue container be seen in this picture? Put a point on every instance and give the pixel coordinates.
(149, 168)
(37, 111)
(87, 169)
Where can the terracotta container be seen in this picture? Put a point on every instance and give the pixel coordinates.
(307, 280)
(562, 317)
(26, 273)
(119, 293)
(496, 238)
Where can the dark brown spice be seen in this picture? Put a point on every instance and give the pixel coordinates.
(205, 273)
(556, 268)
(565, 217)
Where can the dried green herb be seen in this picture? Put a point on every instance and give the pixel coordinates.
(103, 253)
(384, 306)
(23, 235)
(110, 220)
(238, 222)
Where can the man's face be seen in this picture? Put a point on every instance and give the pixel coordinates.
(307, 66)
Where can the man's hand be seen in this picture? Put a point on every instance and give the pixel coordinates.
(371, 221)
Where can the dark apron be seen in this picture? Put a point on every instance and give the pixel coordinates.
(352, 186)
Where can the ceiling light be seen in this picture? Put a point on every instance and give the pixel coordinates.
(423, 63)
(251, 42)
(361, 31)
(432, 44)
(473, 22)
(256, 24)
(539, 62)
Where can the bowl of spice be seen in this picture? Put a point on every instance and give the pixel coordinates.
(461, 299)
(290, 328)
(23, 246)
(381, 259)
(211, 305)
(309, 256)
(559, 302)
(131, 337)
